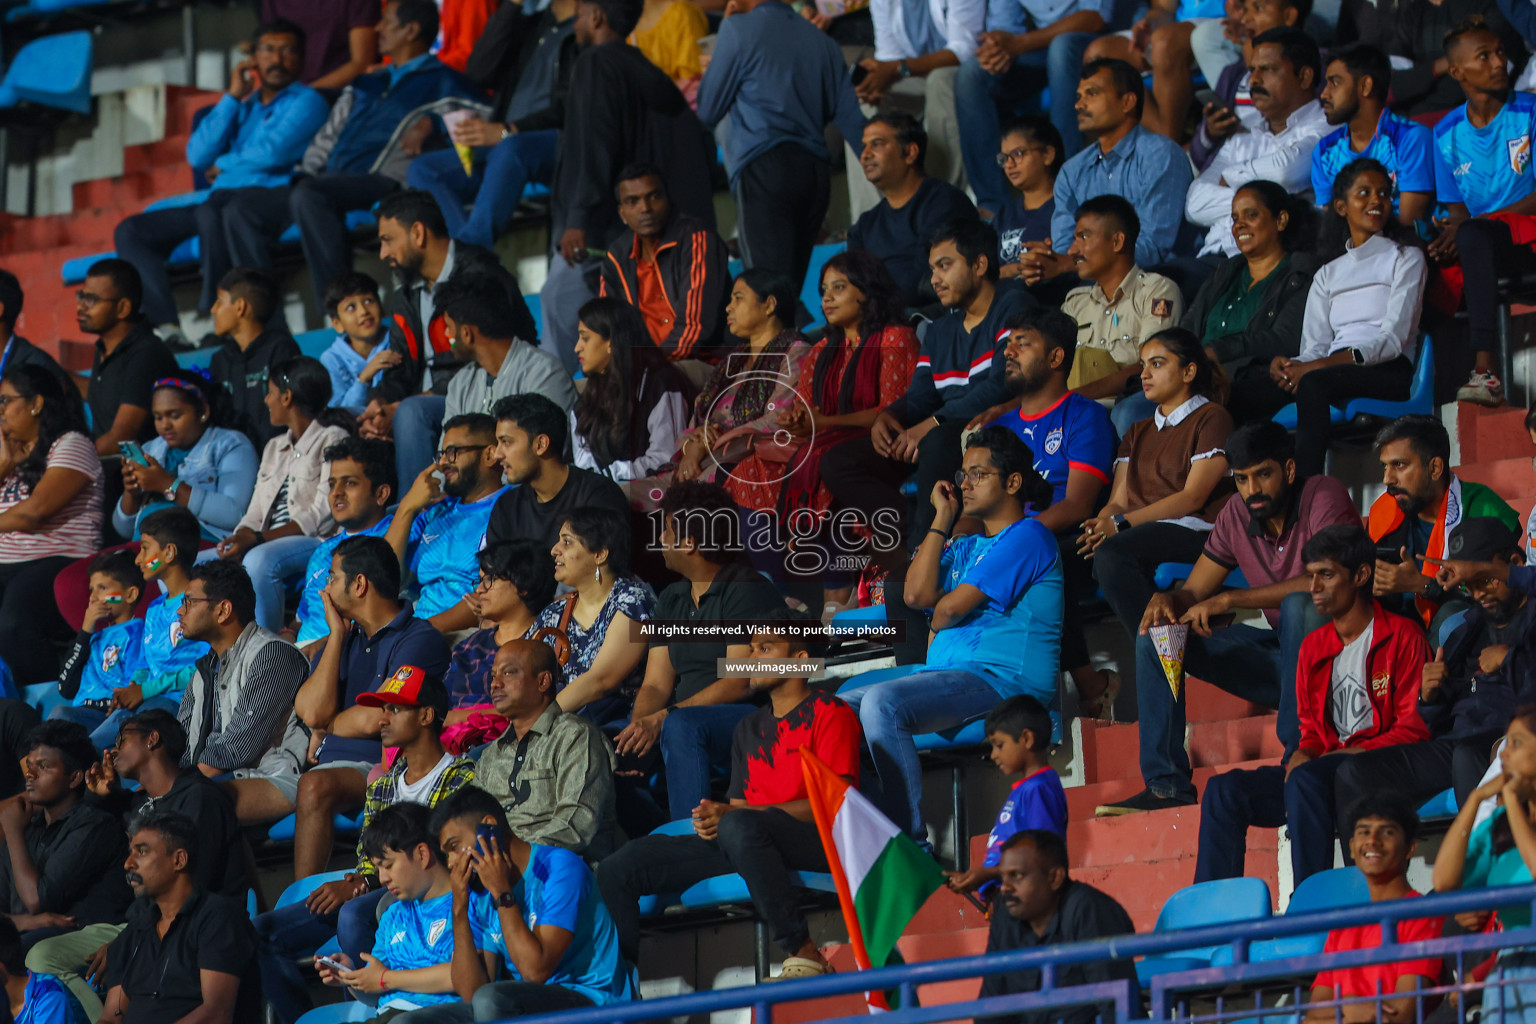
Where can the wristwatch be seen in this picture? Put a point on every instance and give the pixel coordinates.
(902, 71)
(506, 901)
(506, 133)
(1121, 523)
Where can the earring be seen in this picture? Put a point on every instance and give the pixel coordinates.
(203, 420)
(597, 574)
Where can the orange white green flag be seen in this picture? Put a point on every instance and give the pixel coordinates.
(883, 878)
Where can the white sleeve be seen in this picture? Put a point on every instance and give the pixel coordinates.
(666, 423)
(1400, 322)
(581, 455)
(1208, 200)
(963, 22)
(887, 45)
(1287, 162)
(1316, 329)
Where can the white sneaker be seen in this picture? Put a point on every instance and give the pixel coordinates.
(1482, 388)
(172, 336)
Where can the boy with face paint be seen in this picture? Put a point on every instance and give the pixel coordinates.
(102, 660)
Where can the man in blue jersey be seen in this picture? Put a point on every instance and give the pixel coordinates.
(1483, 174)
(1073, 444)
(438, 527)
(1356, 84)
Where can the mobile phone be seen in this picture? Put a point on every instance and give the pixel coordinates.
(1205, 97)
(133, 451)
(334, 965)
(857, 74)
(485, 833)
(1389, 554)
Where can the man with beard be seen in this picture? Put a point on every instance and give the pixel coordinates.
(129, 359)
(1047, 908)
(409, 403)
(1262, 535)
(1479, 675)
(1073, 445)
(1420, 516)
(437, 528)
(481, 323)
(186, 953)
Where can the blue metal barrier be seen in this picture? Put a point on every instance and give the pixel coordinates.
(906, 979)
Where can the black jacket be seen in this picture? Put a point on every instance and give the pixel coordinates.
(1471, 703)
(424, 345)
(24, 353)
(242, 380)
(1275, 329)
(622, 109)
(505, 48)
(695, 274)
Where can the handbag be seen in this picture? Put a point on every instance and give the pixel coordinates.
(557, 636)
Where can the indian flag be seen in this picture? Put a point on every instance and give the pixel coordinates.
(882, 877)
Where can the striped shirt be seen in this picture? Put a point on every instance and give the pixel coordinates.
(75, 529)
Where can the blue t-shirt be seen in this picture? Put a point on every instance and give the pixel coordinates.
(558, 889)
(343, 363)
(1486, 168)
(442, 547)
(1201, 9)
(1037, 801)
(1013, 638)
(1075, 433)
(311, 609)
(117, 652)
(1405, 148)
(1016, 225)
(168, 657)
(414, 934)
(47, 1001)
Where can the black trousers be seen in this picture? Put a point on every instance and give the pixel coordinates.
(29, 619)
(781, 200)
(1125, 563)
(762, 846)
(1486, 250)
(147, 240)
(318, 205)
(1416, 771)
(1077, 574)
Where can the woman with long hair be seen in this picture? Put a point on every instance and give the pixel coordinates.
(635, 404)
(50, 512)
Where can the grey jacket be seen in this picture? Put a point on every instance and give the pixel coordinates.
(525, 370)
(238, 709)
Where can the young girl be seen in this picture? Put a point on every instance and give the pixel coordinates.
(1031, 155)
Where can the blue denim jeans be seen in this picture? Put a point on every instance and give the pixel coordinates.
(495, 188)
(1130, 410)
(104, 726)
(1255, 664)
(980, 98)
(696, 745)
(418, 423)
(289, 933)
(893, 712)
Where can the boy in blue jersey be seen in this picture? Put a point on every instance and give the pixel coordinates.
(439, 527)
(361, 480)
(535, 907)
(1483, 174)
(409, 967)
(1073, 443)
(103, 658)
(1356, 84)
(1019, 735)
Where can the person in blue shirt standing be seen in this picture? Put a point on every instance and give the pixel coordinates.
(1356, 83)
(250, 138)
(438, 527)
(103, 660)
(994, 594)
(1483, 175)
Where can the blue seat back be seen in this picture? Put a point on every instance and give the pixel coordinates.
(1327, 890)
(299, 891)
(54, 71)
(1217, 902)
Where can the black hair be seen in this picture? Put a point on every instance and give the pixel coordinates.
(535, 415)
(118, 565)
(1210, 380)
(973, 239)
(125, 281)
(1056, 328)
(621, 15)
(1299, 230)
(373, 559)
(227, 581)
(467, 803)
(605, 410)
(307, 380)
(1388, 807)
(1017, 715)
(802, 632)
(1051, 847)
(1259, 441)
(1335, 237)
(1426, 436)
(479, 301)
(909, 132)
(401, 827)
(1465, 27)
(1125, 78)
(258, 288)
(192, 388)
(1362, 60)
(1119, 211)
(1299, 49)
(706, 514)
(163, 723)
(13, 956)
(1345, 543)
(62, 413)
(525, 564)
(1009, 455)
(70, 739)
(883, 302)
(635, 171)
(281, 27)
(771, 284)
(176, 831)
(174, 525)
(479, 423)
(1041, 132)
(344, 286)
(11, 297)
(411, 206)
(422, 14)
(377, 457)
(598, 528)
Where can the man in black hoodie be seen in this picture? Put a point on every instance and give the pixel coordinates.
(409, 402)
(526, 58)
(242, 306)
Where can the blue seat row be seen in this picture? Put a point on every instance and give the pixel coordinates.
(54, 71)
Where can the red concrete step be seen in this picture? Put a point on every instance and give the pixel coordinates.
(1082, 801)
(1488, 435)
(1111, 752)
(1510, 478)
(181, 102)
(170, 151)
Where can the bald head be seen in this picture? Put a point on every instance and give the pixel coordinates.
(524, 678)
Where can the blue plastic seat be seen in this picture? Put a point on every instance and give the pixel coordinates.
(810, 291)
(1169, 573)
(346, 825)
(298, 892)
(846, 623)
(536, 307)
(720, 890)
(1420, 400)
(1441, 805)
(312, 343)
(54, 71)
(344, 1012)
(1220, 902)
(1326, 890)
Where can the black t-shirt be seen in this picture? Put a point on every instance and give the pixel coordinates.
(519, 515)
(79, 861)
(161, 977)
(900, 237)
(242, 377)
(738, 592)
(219, 863)
(127, 377)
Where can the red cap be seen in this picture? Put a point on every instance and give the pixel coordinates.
(402, 689)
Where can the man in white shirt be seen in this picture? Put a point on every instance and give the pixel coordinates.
(1284, 71)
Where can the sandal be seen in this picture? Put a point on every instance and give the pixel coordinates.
(1102, 707)
(800, 967)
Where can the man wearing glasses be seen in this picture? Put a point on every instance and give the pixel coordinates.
(129, 358)
(443, 517)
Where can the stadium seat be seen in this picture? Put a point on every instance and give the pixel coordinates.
(1420, 400)
(1326, 890)
(312, 343)
(298, 892)
(1169, 573)
(344, 1012)
(810, 291)
(1206, 903)
(346, 825)
(846, 623)
(1442, 805)
(54, 71)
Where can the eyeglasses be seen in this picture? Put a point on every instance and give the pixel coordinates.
(484, 582)
(189, 599)
(6, 400)
(451, 453)
(1015, 155)
(88, 299)
(974, 475)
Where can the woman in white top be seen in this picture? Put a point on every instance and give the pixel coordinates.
(1362, 322)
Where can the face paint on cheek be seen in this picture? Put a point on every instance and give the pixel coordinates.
(153, 565)
(112, 599)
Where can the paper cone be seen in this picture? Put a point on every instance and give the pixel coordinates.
(466, 153)
(1169, 641)
(466, 157)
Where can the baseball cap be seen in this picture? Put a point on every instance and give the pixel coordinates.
(1481, 538)
(411, 687)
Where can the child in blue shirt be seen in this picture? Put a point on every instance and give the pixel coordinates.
(358, 357)
(1019, 734)
(103, 659)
